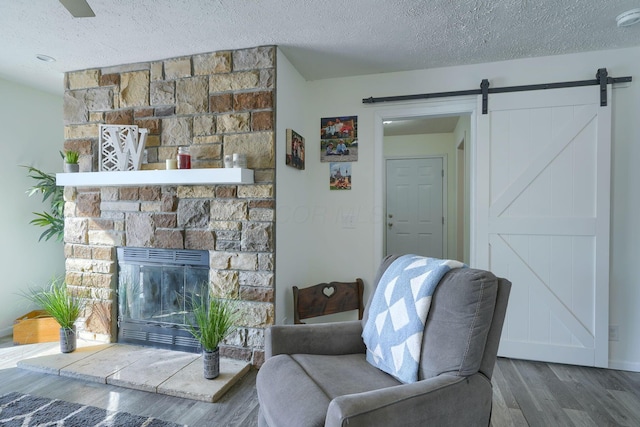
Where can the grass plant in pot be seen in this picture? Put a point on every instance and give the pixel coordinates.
(71, 161)
(58, 302)
(214, 319)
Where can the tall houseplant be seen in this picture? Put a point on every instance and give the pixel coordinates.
(214, 319)
(58, 302)
(52, 220)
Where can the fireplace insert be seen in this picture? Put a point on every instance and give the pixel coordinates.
(156, 289)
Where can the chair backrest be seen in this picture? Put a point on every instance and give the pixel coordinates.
(464, 324)
(327, 298)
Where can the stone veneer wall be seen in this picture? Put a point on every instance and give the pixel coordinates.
(215, 103)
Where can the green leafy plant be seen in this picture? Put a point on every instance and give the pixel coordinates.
(214, 320)
(53, 220)
(58, 302)
(71, 157)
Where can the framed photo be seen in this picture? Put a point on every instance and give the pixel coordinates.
(340, 176)
(339, 139)
(295, 149)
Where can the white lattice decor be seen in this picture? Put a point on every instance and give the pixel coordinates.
(121, 147)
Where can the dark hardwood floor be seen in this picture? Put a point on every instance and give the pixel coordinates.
(547, 394)
(525, 394)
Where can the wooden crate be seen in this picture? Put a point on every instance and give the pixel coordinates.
(35, 326)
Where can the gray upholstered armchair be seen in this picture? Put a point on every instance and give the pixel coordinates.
(317, 375)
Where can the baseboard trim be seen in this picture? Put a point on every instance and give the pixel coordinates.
(6, 332)
(624, 366)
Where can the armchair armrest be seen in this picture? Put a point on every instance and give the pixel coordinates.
(321, 338)
(440, 401)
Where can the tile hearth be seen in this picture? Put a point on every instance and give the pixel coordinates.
(148, 369)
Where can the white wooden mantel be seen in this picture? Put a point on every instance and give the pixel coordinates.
(156, 177)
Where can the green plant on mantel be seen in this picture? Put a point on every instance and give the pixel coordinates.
(71, 157)
(52, 220)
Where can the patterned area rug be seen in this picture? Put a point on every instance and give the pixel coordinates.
(24, 410)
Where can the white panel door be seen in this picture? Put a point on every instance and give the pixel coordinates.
(414, 208)
(542, 221)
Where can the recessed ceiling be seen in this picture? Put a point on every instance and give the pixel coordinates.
(322, 38)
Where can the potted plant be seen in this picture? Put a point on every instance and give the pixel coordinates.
(71, 161)
(52, 220)
(214, 320)
(58, 302)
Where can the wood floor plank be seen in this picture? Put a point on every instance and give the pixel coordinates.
(534, 398)
(630, 381)
(500, 381)
(540, 373)
(603, 377)
(518, 418)
(629, 403)
(580, 418)
(591, 399)
(500, 415)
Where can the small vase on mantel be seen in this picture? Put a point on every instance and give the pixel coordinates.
(211, 363)
(68, 339)
(71, 158)
(71, 167)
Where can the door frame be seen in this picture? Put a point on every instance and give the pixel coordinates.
(461, 205)
(434, 108)
(445, 200)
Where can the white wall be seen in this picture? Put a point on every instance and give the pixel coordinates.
(292, 209)
(32, 134)
(440, 144)
(332, 250)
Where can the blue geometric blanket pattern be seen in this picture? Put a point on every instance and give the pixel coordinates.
(398, 313)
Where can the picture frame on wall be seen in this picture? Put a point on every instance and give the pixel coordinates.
(295, 150)
(340, 176)
(339, 139)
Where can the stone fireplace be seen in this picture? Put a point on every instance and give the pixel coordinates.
(216, 103)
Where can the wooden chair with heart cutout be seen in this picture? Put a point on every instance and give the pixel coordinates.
(327, 298)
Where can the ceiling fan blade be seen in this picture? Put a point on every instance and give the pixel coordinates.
(78, 8)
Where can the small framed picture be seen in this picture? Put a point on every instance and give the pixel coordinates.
(295, 149)
(340, 176)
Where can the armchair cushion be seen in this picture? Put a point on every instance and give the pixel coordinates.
(458, 325)
(320, 390)
(323, 338)
(316, 380)
(445, 400)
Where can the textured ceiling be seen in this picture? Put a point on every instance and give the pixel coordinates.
(322, 38)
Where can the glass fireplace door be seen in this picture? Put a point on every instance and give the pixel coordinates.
(155, 300)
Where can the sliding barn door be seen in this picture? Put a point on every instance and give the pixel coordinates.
(542, 220)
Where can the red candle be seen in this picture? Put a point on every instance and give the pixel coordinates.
(184, 158)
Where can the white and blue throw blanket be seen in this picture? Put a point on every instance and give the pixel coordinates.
(398, 313)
